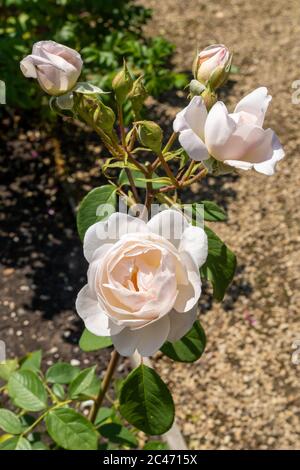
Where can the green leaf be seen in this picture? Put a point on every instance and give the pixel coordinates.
(145, 401)
(118, 434)
(62, 373)
(139, 179)
(89, 342)
(10, 422)
(32, 361)
(15, 443)
(189, 348)
(103, 414)
(59, 391)
(7, 368)
(220, 264)
(159, 182)
(70, 430)
(39, 445)
(81, 382)
(155, 445)
(212, 212)
(92, 390)
(90, 210)
(27, 390)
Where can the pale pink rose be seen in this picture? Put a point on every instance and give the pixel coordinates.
(56, 67)
(236, 139)
(209, 60)
(143, 288)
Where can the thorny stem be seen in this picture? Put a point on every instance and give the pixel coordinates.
(137, 164)
(123, 140)
(170, 142)
(168, 170)
(105, 384)
(132, 184)
(121, 125)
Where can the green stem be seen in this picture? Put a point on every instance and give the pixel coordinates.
(170, 142)
(167, 169)
(105, 384)
(188, 172)
(132, 184)
(121, 126)
(43, 415)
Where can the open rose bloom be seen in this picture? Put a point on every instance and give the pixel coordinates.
(236, 139)
(143, 280)
(55, 66)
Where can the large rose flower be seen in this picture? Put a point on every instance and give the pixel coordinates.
(55, 66)
(236, 139)
(143, 280)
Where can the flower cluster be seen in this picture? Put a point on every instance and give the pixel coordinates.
(143, 286)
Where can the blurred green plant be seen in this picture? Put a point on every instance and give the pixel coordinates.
(103, 32)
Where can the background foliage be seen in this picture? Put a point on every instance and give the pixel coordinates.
(104, 32)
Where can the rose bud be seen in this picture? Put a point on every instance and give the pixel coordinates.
(56, 67)
(122, 84)
(212, 65)
(150, 135)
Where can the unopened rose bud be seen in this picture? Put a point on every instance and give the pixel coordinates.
(56, 67)
(94, 112)
(122, 84)
(212, 65)
(138, 95)
(150, 135)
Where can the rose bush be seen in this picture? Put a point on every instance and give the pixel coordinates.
(143, 288)
(236, 139)
(144, 279)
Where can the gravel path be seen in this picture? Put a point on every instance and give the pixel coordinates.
(244, 392)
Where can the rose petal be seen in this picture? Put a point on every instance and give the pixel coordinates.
(219, 127)
(95, 319)
(146, 340)
(194, 241)
(239, 164)
(109, 231)
(125, 342)
(181, 323)
(169, 224)
(28, 68)
(193, 145)
(268, 166)
(255, 103)
(192, 117)
(188, 294)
